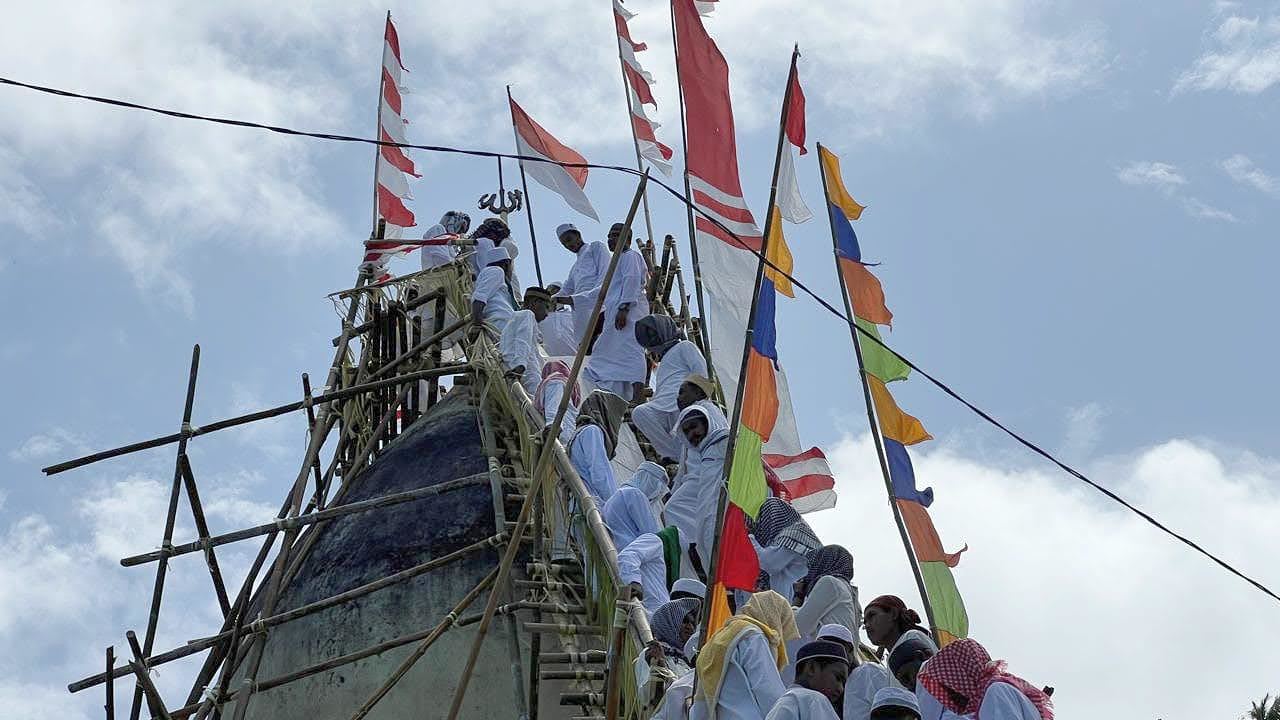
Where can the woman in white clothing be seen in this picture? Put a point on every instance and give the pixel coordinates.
(677, 359)
(783, 541)
(692, 505)
(964, 679)
(627, 516)
(673, 624)
(547, 397)
(738, 666)
(651, 479)
(595, 440)
(826, 593)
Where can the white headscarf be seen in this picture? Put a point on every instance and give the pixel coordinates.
(651, 479)
(717, 423)
(627, 516)
(494, 254)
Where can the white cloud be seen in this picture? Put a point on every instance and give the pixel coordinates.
(21, 202)
(1243, 56)
(1084, 428)
(49, 444)
(1162, 176)
(1241, 169)
(1201, 210)
(1077, 593)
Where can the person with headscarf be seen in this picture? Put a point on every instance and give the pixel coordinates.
(821, 670)
(889, 622)
(627, 516)
(783, 541)
(582, 284)
(963, 679)
(454, 224)
(595, 441)
(673, 623)
(617, 361)
(826, 593)
(692, 505)
(549, 393)
(650, 564)
(676, 359)
(893, 703)
(651, 479)
(556, 325)
(491, 300)
(908, 657)
(738, 666)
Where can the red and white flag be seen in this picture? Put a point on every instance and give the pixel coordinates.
(532, 140)
(727, 264)
(638, 89)
(393, 164)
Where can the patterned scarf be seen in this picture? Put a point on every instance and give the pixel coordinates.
(779, 524)
(831, 560)
(555, 370)
(667, 621)
(965, 668)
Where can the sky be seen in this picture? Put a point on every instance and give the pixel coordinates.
(1074, 205)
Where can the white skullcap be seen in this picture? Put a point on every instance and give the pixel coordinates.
(495, 254)
(563, 228)
(837, 631)
(691, 586)
(895, 697)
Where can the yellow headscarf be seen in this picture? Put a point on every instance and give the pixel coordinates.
(768, 612)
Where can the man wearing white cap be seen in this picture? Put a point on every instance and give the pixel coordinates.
(617, 362)
(491, 300)
(584, 278)
(894, 703)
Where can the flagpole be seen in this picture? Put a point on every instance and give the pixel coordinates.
(635, 141)
(722, 503)
(377, 131)
(688, 193)
(528, 201)
(876, 436)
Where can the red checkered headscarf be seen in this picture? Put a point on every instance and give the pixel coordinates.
(965, 668)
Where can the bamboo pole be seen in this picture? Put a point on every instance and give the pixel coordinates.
(377, 131)
(196, 431)
(212, 541)
(735, 422)
(415, 303)
(877, 438)
(175, 492)
(110, 705)
(407, 664)
(145, 686)
(202, 528)
(307, 402)
(528, 201)
(540, 469)
(635, 141)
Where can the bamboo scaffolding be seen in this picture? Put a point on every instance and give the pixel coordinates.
(110, 705)
(202, 528)
(307, 402)
(145, 686)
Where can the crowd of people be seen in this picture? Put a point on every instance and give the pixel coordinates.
(792, 649)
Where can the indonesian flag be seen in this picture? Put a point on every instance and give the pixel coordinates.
(638, 82)
(390, 176)
(532, 140)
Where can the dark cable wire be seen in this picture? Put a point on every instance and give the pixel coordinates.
(682, 198)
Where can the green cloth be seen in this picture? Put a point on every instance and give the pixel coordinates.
(944, 598)
(877, 360)
(670, 537)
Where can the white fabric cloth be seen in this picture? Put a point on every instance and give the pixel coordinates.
(519, 346)
(580, 284)
(860, 690)
(642, 561)
(931, 709)
(655, 425)
(692, 505)
(832, 600)
(751, 684)
(799, 703)
(651, 479)
(784, 566)
(491, 289)
(673, 702)
(655, 417)
(552, 394)
(434, 256)
(616, 355)
(1004, 702)
(621, 388)
(627, 516)
(587, 453)
(558, 337)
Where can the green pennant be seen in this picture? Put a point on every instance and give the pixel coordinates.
(879, 361)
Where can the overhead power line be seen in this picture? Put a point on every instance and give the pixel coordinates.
(338, 137)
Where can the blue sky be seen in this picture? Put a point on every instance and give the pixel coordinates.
(1075, 206)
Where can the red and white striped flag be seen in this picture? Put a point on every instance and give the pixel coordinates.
(393, 163)
(638, 87)
(806, 477)
(532, 140)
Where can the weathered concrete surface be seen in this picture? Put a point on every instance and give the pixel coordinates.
(360, 548)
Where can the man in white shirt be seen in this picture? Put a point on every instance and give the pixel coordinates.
(555, 325)
(821, 670)
(617, 362)
(491, 300)
(586, 274)
(454, 223)
(894, 703)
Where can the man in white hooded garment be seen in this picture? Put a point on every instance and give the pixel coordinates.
(677, 359)
(617, 361)
(584, 278)
(651, 479)
(453, 223)
(692, 505)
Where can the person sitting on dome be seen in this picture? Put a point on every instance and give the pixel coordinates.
(738, 666)
(595, 441)
(826, 593)
(822, 667)
(453, 222)
(963, 679)
(677, 358)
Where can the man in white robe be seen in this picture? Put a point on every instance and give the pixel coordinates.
(738, 665)
(453, 223)
(677, 359)
(519, 347)
(584, 278)
(547, 397)
(491, 301)
(617, 361)
(558, 336)
(651, 479)
(692, 505)
(822, 667)
(643, 565)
